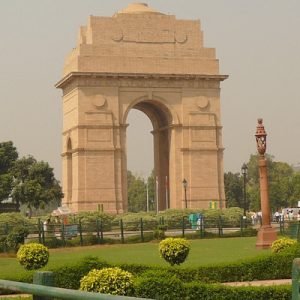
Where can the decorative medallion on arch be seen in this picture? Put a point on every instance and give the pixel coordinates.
(158, 65)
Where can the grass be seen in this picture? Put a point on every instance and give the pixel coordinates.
(203, 252)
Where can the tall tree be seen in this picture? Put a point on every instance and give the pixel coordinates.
(294, 190)
(8, 157)
(233, 189)
(34, 184)
(136, 193)
(280, 176)
(151, 190)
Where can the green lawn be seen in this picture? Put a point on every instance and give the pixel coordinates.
(206, 251)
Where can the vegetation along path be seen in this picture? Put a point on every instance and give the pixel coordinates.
(203, 252)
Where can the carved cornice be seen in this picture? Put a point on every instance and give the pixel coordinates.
(92, 126)
(84, 79)
(83, 151)
(208, 149)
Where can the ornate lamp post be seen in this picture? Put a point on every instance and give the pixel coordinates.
(244, 172)
(184, 182)
(266, 234)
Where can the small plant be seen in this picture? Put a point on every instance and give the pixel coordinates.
(112, 281)
(159, 232)
(33, 256)
(16, 237)
(282, 244)
(174, 250)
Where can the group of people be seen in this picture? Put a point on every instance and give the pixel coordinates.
(256, 218)
(195, 220)
(289, 214)
(50, 223)
(285, 214)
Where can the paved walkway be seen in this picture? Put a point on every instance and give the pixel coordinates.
(260, 282)
(15, 296)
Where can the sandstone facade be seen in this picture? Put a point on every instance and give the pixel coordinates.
(142, 59)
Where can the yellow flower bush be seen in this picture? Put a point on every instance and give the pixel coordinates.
(112, 281)
(282, 244)
(33, 256)
(174, 250)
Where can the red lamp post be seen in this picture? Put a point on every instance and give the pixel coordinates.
(266, 234)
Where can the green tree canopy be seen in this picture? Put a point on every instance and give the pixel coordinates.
(151, 191)
(233, 189)
(26, 180)
(284, 185)
(34, 183)
(136, 193)
(8, 157)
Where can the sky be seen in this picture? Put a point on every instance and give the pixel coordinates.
(257, 43)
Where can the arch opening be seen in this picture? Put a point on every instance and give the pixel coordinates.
(161, 119)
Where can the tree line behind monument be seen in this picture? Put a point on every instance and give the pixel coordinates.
(32, 185)
(26, 182)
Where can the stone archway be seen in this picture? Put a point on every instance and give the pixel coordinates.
(161, 120)
(141, 59)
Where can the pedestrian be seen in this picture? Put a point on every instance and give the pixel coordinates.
(254, 218)
(259, 217)
(46, 225)
(277, 215)
(199, 222)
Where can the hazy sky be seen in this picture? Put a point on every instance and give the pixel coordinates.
(257, 42)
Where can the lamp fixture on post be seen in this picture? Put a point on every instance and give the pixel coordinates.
(266, 234)
(184, 182)
(245, 172)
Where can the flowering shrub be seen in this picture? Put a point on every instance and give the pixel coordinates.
(174, 250)
(282, 244)
(112, 281)
(33, 256)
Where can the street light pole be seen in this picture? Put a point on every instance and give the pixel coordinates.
(244, 172)
(147, 195)
(184, 182)
(266, 234)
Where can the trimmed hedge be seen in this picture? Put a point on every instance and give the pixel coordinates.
(188, 283)
(157, 286)
(272, 266)
(196, 291)
(69, 276)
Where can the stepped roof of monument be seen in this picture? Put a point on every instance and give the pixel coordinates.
(138, 8)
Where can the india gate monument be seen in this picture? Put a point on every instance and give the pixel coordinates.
(147, 60)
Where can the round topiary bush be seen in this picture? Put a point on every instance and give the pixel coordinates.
(282, 244)
(112, 281)
(33, 256)
(174, 250)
